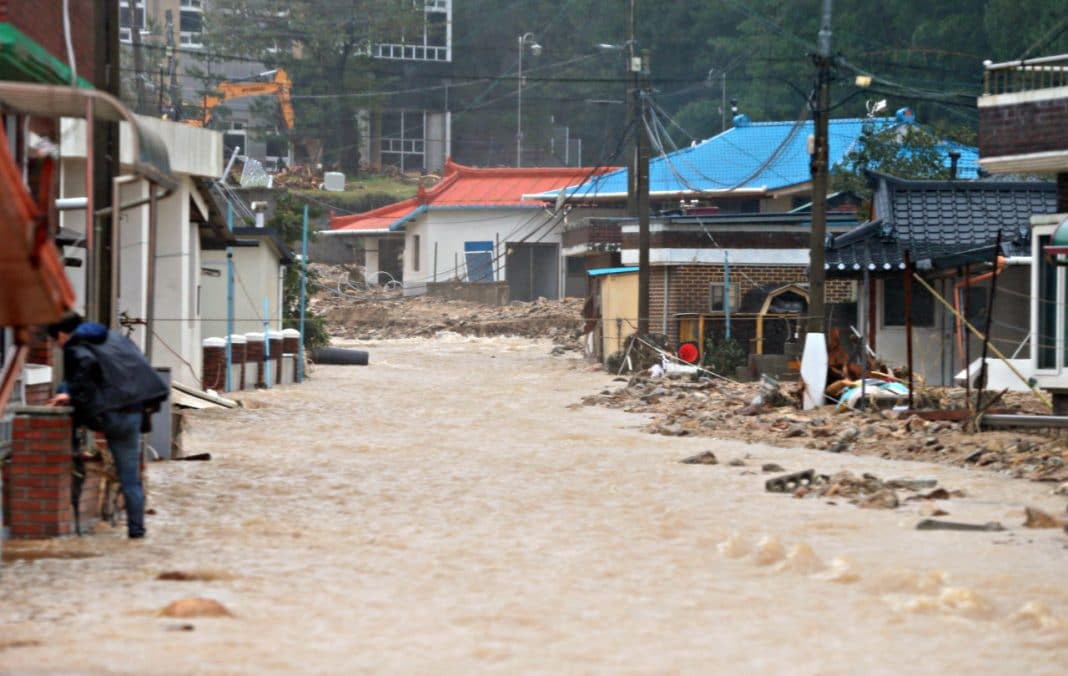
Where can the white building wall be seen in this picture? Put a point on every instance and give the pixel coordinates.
(449, 229)
(257, 273)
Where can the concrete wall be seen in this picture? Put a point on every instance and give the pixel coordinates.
(495, 293)
(257, 274)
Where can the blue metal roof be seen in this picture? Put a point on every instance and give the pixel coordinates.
(750, 156)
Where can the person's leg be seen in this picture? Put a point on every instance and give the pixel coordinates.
(123, 432)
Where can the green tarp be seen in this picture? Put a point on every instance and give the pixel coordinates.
(22, 59)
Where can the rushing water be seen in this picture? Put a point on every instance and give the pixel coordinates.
(450, 508)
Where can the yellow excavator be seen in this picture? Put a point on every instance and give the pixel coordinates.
(275, 82)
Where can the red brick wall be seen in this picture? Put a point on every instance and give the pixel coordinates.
(689, 288)
(254, 359)
(1022, 128)
(37, 478)
(214, 365)
(42, 20)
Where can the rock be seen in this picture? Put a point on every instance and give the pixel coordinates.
(1061, 490)
(704, 458)
(932, 509)
(794, 431)
(838, 447)
(884, 499)
(737, 462)
(771, 467)
(1036, 518)
(195, 607)
(934, 524)
(848, 435)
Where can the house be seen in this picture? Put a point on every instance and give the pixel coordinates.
(947, 231)
(753, 168)
(260, 258)
(704, 268)
(159, 268)
(472, 226)
(1023, 118)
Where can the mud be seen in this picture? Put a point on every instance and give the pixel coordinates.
(452, 508)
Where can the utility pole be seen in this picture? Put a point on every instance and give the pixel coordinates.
(814, 357)
(818, 165)
(631, 103)
(105, 154)
(642, 187)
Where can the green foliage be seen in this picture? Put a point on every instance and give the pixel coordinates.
(724, 356)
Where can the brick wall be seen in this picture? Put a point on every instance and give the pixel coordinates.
(213, 376)
(38, 395)
(37, 479)
(1022, 128)
(689, 288)
(254, 356)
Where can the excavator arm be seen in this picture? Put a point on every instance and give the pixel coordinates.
(280, 85)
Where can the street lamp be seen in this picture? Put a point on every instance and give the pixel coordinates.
(524, 40)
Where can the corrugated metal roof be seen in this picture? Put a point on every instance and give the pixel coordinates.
(470, 188)
(754, 156)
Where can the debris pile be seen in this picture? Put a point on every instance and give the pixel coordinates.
(749, 412)
(373, 312)
(866, 491)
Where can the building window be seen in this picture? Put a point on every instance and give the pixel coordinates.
(191, 23)
(404, 140)
(894, 305)
(716, 297)
(415, 253)
(433, 43)
(131, 15)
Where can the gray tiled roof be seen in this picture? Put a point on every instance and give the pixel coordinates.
(941, 223)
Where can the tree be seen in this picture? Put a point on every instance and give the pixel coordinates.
(905, 151)
(326, 47)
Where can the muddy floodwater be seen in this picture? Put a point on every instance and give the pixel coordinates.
(451, 508)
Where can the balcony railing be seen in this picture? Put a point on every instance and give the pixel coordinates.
(1025, 75)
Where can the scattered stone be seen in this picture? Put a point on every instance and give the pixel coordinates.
(788, 483)
(704, 458)
(771, 467)
(838, 447)
(884, 499)
(195, 607)
(932, 509)
(794, 431)
(737, 462)
(185, 626)
(1036, 518)
(933, 524)
(912, 484)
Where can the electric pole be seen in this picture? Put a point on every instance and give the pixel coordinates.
(105, 153)
(631, 103)
(642, 188)
(818, 165)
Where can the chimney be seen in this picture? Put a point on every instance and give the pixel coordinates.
(954, 158)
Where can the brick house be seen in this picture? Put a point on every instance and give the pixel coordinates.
(1023, 128)
(949, 230)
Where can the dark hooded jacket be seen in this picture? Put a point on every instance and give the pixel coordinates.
(105, 371)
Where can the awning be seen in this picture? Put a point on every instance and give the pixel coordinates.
(24, 60)
(151, 161)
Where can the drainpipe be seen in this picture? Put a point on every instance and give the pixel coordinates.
(150, 275)
(266, 342)
(727, 293)
(229, 298)
(116, 241)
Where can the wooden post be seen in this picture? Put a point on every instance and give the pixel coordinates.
(908, 321)
(989, 319)
(967, 340)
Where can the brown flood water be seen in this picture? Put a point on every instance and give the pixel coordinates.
(449, 509)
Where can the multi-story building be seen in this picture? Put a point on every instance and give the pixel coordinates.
(410, 131)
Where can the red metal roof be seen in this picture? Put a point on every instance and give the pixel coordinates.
(471, 187)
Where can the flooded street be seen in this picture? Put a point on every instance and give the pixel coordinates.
(450, 508)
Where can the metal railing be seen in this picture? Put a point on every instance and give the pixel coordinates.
(1010, 77)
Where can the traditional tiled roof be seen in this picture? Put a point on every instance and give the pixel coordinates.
(469, 188)
(941, 224)
(753, 157)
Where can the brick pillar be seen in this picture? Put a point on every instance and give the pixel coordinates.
(290, 341)
(37, 478)
(276, 356)
(40, 348)
(238, 349)
(254, 356)
(214, 364)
